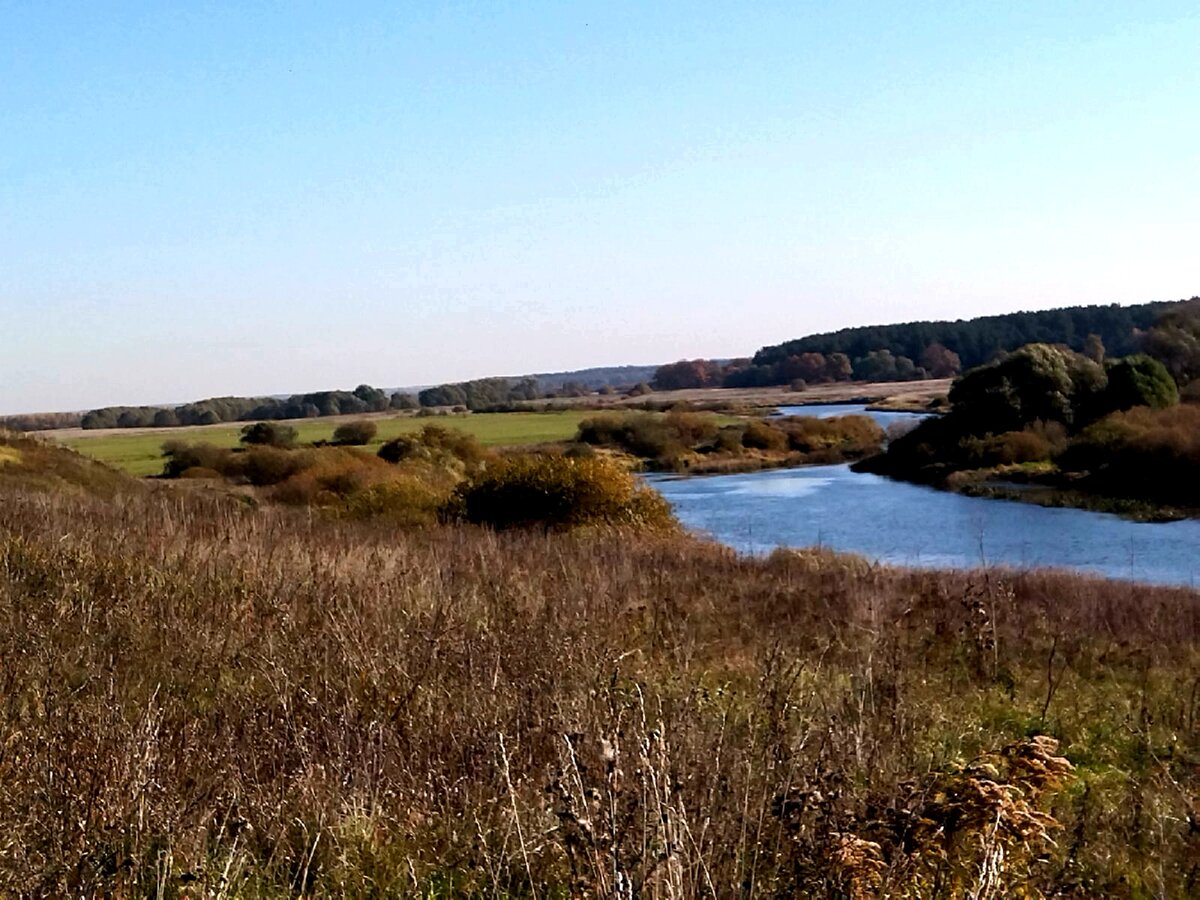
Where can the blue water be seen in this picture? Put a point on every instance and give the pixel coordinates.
(906, 524)
(826, 411)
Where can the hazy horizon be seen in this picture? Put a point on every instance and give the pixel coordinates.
(250, 200)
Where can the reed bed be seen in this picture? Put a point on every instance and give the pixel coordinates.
(206, 699)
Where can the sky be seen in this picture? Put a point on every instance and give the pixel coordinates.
(199, 199)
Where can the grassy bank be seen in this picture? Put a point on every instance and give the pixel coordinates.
(202, 698)
(139, 452)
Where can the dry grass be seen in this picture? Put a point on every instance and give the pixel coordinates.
(200, 698)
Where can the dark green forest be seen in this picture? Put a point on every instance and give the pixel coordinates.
(911, 351)
(977, 341)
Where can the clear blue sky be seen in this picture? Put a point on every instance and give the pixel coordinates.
(209, 198)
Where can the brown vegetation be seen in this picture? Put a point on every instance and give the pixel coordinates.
(201, 698)
(698, 442)
(32, 462)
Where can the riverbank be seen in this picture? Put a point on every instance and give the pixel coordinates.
(1050, 488)
(1037, 484)
(1140, 463)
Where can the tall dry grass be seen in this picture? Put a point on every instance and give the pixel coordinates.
(204, 699)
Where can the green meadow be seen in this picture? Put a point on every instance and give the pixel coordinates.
(140, 452)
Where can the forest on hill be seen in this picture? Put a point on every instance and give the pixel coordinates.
(914, 350)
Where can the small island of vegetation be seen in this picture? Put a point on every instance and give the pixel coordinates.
(1050, 425)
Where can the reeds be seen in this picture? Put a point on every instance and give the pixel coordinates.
(201, 698)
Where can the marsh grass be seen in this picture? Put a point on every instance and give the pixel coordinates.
(200, 698)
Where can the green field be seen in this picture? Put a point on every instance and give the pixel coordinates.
(140, 453)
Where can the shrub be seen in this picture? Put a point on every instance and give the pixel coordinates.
(1142, 453)
(650, 435)
(267, 465)
(200, 472)
(848, 435)
(760, 435)
(353, 482)
(437, 444)
(180, 457)
(270, 434)
(405, 499)
(355, 434)
(1009, 448)
(557, 492)
(1139, 380)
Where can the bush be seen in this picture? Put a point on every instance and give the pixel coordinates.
(180, 456)
(200, 472)
(405, 499)
(269, 434)
(1142, 453)
(847, 435)
(650, 435)
(434, 443)
(1139, 380)
(267, 465)
(557, 492)
(1009, 448)
(760, 435)
(355, 434)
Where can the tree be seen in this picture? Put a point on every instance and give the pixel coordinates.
(687, 373)
(375, 399)
(940, 362)
(838, 367)
(1038, 381)
(1139, 380)
(878, 365)
(355, 434)
(1174, 340)
(1093, 348)
(269, 434)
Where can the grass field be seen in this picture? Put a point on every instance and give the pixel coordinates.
(139, 452)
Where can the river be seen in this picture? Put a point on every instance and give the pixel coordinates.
(912, 525)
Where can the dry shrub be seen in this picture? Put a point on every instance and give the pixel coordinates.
(355, 434)
(436, 444)
(760, 435)
(645, 434)
(691, 428)
(1009, 448)
(1142, 453)
(329, 474)
(558, 492)
(848, 436)
(265, 466)
(411, 498)
(199, 472)
(180, 456)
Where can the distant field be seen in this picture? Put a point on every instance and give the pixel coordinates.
(139, 451)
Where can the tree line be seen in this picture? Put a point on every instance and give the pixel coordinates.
(915, 350)
(479, 395)
(215, 410)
